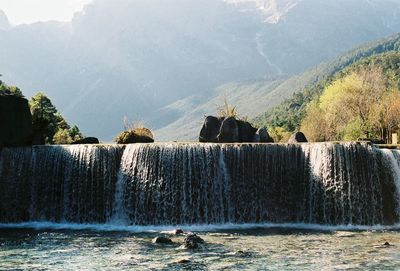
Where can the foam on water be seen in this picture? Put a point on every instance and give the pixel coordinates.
(195, 228)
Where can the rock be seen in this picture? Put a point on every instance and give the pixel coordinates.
(246, 131)
(178, 231)
(15, 122)
(298, 137)
(229, 131)
(136, 135)
(387, 244)
(242, 253)
(183, 260)
(262, 136)
(87, 140)
(173, 232)
(162, 240)
(210, 129)
(192, 241)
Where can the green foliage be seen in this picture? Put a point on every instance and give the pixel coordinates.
(290, 113)
(75, 134)
(361, 104)
(62, 137)
(49, 125)
(279, 134)
(10, 90)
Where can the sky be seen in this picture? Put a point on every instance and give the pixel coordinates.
(30, 11)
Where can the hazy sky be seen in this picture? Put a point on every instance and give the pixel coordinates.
(29, 11)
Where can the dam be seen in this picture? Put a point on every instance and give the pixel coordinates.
(350, 183)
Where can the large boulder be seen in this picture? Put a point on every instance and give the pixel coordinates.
(87, 140)
(136, 135)
(210, 130)
(162, 240)
(229, 131)
(246, 131)
(15, 122)
(192, 241)
(298, 137)
(263, 136)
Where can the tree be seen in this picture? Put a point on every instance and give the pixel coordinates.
(344, 110)
(314, 125)
(75, 134)
(44, 118)
(10, 90)
(386, 115)
(62, 137)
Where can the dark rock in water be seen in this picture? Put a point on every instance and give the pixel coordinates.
(246, 131)
(15, 122)
(178, 231)
(162, 240)
(229, 131)
(87, 140)
(262, 136)
(210, 130)
(183, 260)
(192, 241)
(242, 253)
(173, 232)
(136, 135)
(298, 137)
(387, 244)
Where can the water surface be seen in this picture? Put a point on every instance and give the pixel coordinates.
(267, 248)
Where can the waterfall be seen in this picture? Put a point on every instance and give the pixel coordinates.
(393, 159)
(174, 183)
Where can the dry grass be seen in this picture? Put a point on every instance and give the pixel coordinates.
(227, 110)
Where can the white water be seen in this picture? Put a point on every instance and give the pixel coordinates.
(393, 156)
(191, 184)
(193, 228)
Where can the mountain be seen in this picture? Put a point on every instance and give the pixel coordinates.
(270, 102)
(168, 63)
(273, 10)
(4, 23)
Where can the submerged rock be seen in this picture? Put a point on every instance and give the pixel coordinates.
(183, 261)
(192, 241)
(173, 232)
(162, 240)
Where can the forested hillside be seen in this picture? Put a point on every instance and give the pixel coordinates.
(289, 114)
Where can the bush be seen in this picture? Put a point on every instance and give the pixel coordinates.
(135, 135)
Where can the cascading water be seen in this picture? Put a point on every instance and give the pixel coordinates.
(169, 184)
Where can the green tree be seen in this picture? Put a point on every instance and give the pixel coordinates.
(44, 118)
(62, 136)
(75, 134)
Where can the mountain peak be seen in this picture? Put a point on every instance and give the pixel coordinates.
(4, 23)
(274, 10)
